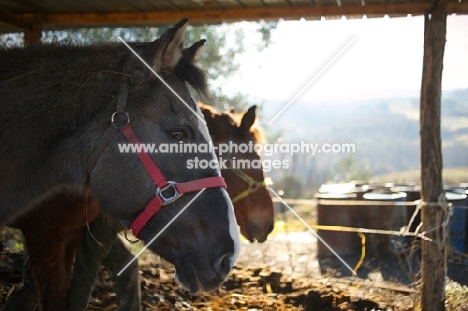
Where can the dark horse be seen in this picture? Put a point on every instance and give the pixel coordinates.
(57, 136)
(51, 250)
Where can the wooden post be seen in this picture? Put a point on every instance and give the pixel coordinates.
(433, 254)
(30, 24)
(32, 35)
(33, 31)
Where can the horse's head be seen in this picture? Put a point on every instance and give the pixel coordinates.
(196, 231)
(244, 176)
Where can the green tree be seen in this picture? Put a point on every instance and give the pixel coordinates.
(218, 60)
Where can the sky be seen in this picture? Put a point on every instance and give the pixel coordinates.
(377, 56)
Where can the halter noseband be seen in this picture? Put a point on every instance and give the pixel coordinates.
(252, 184)
(162, 185)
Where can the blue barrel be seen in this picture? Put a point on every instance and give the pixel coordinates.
(458, 226)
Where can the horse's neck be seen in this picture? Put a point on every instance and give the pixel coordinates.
(29, 176)
(44, 133)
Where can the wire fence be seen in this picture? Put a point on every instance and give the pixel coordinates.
(296, 251)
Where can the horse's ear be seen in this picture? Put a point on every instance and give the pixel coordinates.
(248, 119)
(192, 52)
(205, 109)
(188, 72)
(169, 49)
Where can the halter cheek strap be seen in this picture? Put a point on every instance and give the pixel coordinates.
(252, 184)
(162, 185)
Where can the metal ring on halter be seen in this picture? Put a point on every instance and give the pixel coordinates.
(256, 185)
(115, 125)
(131, 241)
(172, 198)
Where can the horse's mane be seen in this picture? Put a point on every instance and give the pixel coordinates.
(190, 73)
(59, 73)
(61, 83)
(15, 61)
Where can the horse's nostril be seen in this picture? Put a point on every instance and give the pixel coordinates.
(226, 263)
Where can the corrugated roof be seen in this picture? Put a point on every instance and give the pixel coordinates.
(51, 14)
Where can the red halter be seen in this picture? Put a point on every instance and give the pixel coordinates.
(153, 170)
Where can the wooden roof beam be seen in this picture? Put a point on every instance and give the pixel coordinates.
(230, 15)
(30, 24)
(18, 22)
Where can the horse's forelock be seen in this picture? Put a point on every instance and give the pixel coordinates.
(193, 75)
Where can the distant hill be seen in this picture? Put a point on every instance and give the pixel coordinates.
(385, 131)
(450, 176)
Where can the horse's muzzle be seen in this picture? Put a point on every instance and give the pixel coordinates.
(196, 280)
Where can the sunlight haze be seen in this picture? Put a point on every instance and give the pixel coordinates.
(386, 56)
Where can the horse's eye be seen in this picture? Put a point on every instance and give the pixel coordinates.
(179, 135)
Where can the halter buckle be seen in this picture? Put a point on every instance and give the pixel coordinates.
(169, 199)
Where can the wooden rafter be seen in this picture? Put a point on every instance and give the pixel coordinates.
(54, 21)
(14, 21)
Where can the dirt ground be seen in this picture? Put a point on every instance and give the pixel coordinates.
(280, 274)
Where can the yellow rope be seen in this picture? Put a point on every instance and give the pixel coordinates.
(363, 251)
(456, 255)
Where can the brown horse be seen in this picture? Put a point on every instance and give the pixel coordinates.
(252, 202)
(52, 233)
(52, 249)
(66, 112)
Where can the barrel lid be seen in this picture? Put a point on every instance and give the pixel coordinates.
(373, 186)
(452, 188)
(335, 196)
(407, 188)
(455, 196)
(384, 196)
(462, 191)
(337, 188)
